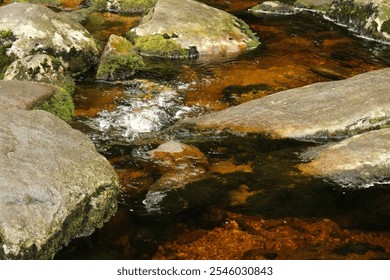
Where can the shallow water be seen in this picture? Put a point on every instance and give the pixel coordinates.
(245, 175)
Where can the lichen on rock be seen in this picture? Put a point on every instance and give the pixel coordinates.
(39, 30)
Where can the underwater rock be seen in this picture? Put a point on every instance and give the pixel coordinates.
(54, 185)
(330, 71)
(315, 112)
(119, 61)
(39, 30)
(186, 28)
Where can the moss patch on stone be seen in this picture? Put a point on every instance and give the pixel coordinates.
(123, 6)
(60, 105)
(6, 40)
(160, 46)
(386, 26)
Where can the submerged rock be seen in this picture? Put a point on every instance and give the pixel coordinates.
(330, 71)
(360, 161)
(119, 61)
(314, 112)
(54, 186)
(186, 28)
(39, 30)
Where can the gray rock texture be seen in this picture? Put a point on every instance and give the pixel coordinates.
(360, 161)
(23, 94)
(193, 24)
(314, 112)
(54, 186)
(38, 29)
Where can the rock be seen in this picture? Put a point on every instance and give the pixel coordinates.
(272, 7)
(180, 163)
(318, 5)
(369, 18)
(314, 112)
(119, 61)
(53, 3)
(54, 186)
(46, 69)
(23, 95)
(330, 71)
(38, 68)
(186, 28)
(39, 30)
(123, 6)
(360, 161)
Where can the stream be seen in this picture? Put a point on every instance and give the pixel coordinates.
(247, 190)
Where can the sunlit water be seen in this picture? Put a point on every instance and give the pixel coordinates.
(127, 120)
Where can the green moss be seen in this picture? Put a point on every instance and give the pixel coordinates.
(136, 6)
(120, 62)
(114, 66)
(124, 6)
(386, 26)
(158, 46)
(6, 40)
(60, 105)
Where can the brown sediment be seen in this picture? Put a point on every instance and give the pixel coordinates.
(248, 237)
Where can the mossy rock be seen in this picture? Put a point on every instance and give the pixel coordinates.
(187, 27)
(123, 6)
(119, 60)
(46, 69)
(160, 46)
(39, 30)
(60, 105)
(6, 40)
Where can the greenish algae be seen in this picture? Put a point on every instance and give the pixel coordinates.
(160, 46)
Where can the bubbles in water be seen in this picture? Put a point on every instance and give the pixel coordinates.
(147, 108)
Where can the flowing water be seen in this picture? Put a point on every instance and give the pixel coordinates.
(244, 184)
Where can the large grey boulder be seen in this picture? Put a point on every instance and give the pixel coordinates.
(192, 26)
(54, 186)
(314, 112)
(23, 94)
(360, 161)
(38, 29)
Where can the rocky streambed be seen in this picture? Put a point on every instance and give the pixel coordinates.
(258, 131)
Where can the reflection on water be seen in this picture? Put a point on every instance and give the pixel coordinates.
(249, 193)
